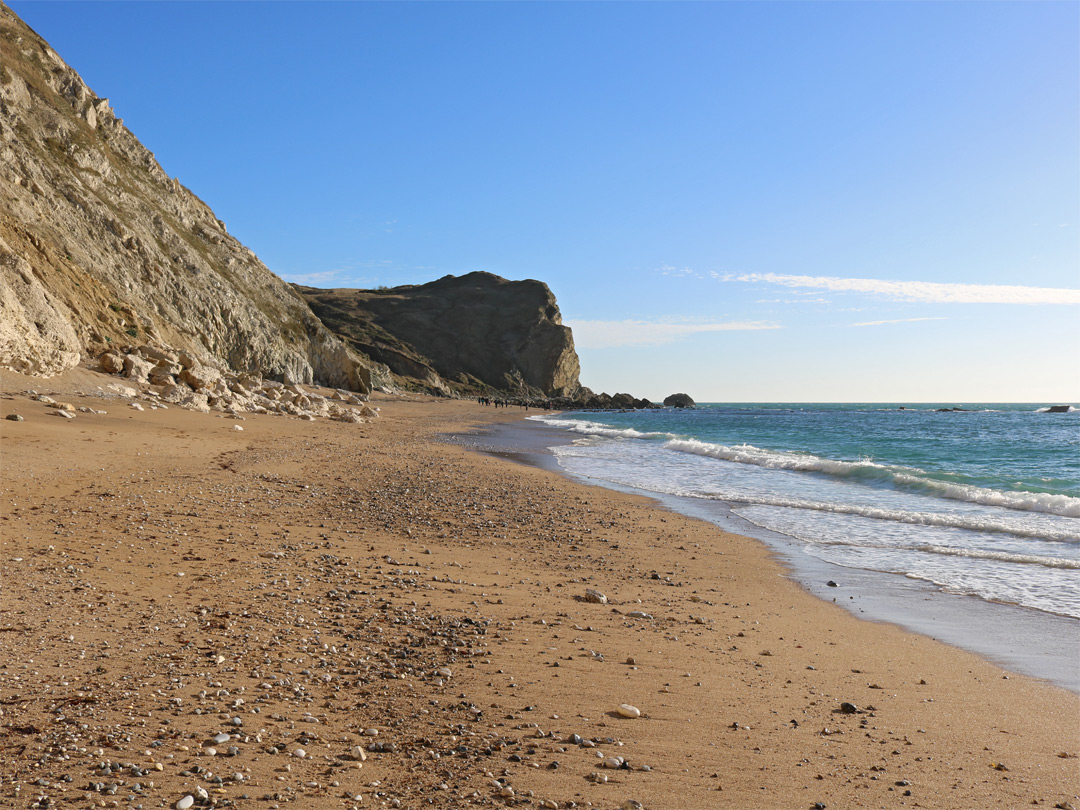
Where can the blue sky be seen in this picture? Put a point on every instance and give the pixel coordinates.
(744, 201)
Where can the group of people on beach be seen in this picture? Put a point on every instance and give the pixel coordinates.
(501, 403)
(506, 403)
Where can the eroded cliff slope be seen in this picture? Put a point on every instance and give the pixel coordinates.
(462, 333)
(100, 248)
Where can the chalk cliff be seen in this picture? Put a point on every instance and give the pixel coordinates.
(100, 248)
(462, 334)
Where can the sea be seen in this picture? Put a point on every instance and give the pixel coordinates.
(980, 502)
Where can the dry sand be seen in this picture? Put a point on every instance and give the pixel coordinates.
(165, 578)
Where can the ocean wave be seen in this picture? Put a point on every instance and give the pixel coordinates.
(1064, 563)
(969, 522)
(1001, 556)
(869, 472)
(968, 552)
(587, 428)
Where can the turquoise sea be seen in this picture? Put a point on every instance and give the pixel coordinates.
(983, 501)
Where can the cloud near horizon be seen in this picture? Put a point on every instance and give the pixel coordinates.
(897, 320)
(928, 292)
(613, 334)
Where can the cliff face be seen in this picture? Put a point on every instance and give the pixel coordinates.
(100, 248)
(462, 333)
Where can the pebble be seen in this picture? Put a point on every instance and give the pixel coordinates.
(185, 802)
(222, 738)
(848, 708)
(237, 427)
(65, 414)
(13, 417)
(595, 596)
(299, 753)
(628, 711)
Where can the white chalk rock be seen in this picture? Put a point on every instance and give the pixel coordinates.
(185, 802)
(626, 710)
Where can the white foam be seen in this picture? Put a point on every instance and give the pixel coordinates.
(868, 470)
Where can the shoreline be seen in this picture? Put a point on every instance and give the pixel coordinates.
(1024, 640)
(315, 580)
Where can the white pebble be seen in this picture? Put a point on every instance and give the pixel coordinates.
(185, 802)
(299, 753)
(626, 710)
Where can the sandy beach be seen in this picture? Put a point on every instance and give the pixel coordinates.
(318, 614)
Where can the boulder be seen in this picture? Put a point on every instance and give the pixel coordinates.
(199, 377)
(135, 368)
(678, 401)
(111, 363)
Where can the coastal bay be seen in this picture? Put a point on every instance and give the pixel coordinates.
(164, 575)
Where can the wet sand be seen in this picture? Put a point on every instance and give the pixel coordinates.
(295, 585)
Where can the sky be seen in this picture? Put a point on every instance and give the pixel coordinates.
(743, 201)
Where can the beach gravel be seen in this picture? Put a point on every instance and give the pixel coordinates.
(345, 578)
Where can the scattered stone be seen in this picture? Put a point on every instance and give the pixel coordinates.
(628, 711)
(185, 803)
(595, 596)
(849, 708)
(13, 417)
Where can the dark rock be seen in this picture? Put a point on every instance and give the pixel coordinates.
(470, 332)
(848, 708)
(678, 401)
(832, 584)
(1059, 409)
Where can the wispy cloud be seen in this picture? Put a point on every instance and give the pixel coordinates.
(792, 301)
(920, 291)
(679, 272)
(612, 334)
(897, 320)
(319, 279)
